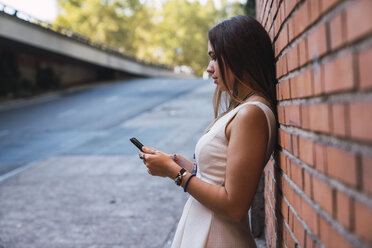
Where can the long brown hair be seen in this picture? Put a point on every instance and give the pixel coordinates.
(243, 45)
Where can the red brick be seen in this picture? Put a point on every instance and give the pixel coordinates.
(308, 182)
(295, 145)
(284, 91)
(327, 4)
(305, 117)
(337, 30)
(284, 33)
(292, 58)
(299, 231)
(272, 34)
(319, 117)
(338, 74)
(339, 119)
(359, 19)
(284, 209)
(274, 7)
(367, 173)
(302, 50)
(317, 42)
(360, 120)
(314, 10)
(310, 217)
(303, 85)
(363, 220)
(306, 149)
(318, 79)
(323, 195)
(283, 162)
(281, 114)
(320, 158)
(281, 135)
(330, 237)
(289, 5)
(281, 66)
(288, 141)
(279, 70)
(293, 116)
(300, 19)
(365, 72)
(343, 209)
(290, 219)
(278, 94)
(325, 232)
(342, 165)
(287, 89)
(289, 167)
(289, 241)
(290, 30)
(297, 175)
(309, 242)
(285, 64)
(287, 191)
(277, 24)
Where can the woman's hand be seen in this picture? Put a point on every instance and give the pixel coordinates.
(159, 163)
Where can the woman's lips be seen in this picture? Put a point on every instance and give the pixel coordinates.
(215, 81)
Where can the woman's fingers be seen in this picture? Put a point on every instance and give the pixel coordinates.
(147, 149)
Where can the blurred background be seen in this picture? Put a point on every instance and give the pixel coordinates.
(170, 32)
(77, 80)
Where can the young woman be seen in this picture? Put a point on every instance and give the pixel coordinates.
(232, 153)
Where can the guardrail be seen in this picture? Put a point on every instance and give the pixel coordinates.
(66, 32)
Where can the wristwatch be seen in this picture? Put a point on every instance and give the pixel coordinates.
(178, 178)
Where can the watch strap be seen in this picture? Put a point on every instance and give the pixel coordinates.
(178, 178)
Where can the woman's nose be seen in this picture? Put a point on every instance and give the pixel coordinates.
(210, 68)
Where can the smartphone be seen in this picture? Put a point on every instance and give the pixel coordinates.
(136, 143)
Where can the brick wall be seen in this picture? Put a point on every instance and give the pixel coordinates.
(318, 189)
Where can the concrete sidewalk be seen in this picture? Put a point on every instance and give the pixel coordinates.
(104, 201)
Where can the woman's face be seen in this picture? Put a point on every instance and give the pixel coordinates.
(214, 69)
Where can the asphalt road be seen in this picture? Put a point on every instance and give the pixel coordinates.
(69, 177)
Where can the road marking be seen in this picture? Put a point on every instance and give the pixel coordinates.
(15, 171)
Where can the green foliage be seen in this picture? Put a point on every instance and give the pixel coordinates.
(174, 33)
(250, 8)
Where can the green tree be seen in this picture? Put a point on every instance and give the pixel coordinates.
(174, 33)
(113, 22)
(250, 8)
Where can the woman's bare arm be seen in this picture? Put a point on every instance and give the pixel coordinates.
(184, 163)
(248, 137)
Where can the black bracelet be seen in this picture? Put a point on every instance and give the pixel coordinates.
(178, 178)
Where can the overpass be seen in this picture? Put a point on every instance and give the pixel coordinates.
(70, 57)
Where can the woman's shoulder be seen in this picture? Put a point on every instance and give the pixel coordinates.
(249, 116)
(251, 112)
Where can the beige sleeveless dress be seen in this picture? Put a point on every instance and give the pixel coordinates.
(200, 227)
